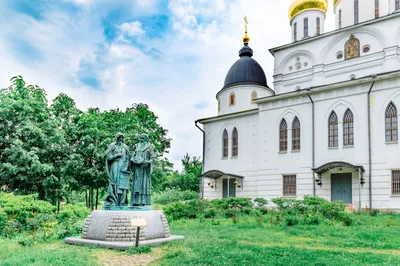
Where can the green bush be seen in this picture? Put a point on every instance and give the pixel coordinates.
(3, 221)
(173, 195)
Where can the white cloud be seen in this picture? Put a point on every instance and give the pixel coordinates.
(132, 28)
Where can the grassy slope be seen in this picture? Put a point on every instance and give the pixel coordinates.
(56, 253)
(250, 243)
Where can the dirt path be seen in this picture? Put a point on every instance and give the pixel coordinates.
(111, 258)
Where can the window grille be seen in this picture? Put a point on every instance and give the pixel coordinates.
(235, 143)
(391, 123)
(289, 185)
(296, 134)
(395, 182)
(333, 130)
(348, 128)
(283, 136)
(225, 141)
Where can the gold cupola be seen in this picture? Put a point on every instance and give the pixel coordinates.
(299, 6)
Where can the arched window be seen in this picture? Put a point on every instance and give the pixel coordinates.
(295, 31)
(305, 27)
(391, 123)
(296, 134)
(348, 128)
(318, 26)
(397, 4)
(219, 105)
(333, 130)
(283, 136)
(232, 99)
(340, 19)
(376, 8)
(355, 11)
(253, 96)
(225, 144)
(235, 143)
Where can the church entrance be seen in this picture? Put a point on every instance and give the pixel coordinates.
(229, 188)
(341, 187)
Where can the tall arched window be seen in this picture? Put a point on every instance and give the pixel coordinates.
(305, 27)
(397, 4)
(283, 136)
(376, 8)
(296, 134)
(253, 96)
(232, 99)
(348, 128)
(318, 26)
(391, 123)
(235, 143)
(340, 19)
(333, 130)
(295, 31)
(219, 105)
(225, 143)
(355, 11)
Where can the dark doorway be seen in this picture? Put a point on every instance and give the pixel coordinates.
(231, 192)
(341, 187)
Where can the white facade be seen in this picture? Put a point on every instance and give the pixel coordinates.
(310, 74)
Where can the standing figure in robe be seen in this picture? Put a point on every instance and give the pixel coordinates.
(117, 167)
(142, 161)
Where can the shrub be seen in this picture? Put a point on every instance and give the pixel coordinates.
(261, 202)
(210, 212)
(173, 195)
(139, 250)
(3, 221)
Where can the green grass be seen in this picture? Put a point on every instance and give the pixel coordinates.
(56, 253)
(248, 242)
(245, 241)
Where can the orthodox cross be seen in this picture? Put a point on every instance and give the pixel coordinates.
(246, 22)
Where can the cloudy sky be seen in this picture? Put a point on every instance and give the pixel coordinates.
(171, 54)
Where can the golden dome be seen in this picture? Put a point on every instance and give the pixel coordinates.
(299, 6)
(335, 2)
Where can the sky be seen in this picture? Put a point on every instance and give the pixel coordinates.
(170, 54)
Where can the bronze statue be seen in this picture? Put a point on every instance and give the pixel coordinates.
(142, 164)
(117, 166)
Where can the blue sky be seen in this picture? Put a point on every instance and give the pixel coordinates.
(171, 54)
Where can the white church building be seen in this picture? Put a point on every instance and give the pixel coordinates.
(329, 124)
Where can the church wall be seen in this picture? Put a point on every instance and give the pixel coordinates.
(324, 66)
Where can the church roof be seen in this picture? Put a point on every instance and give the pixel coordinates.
(245, 71)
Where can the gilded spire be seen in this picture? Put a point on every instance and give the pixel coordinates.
(246, 38)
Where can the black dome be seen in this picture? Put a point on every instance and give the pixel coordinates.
(245, 70)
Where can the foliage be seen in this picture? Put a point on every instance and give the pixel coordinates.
(139, 250)
(54, 149)
(172, 195)
(189, 178)
(71, 219)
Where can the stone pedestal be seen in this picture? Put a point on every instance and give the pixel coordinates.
(113, 229)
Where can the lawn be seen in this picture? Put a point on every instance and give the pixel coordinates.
(244, 241)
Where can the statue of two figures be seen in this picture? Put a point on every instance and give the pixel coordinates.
(120, 165)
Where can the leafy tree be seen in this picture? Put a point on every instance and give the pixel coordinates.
(31, 147)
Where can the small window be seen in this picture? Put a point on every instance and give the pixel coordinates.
(339, 55)
(283, 136)
(340, 19)
(305, 27)
(376, 8)
(396, 182)
(253, 96)
(235, 143)
(296, 134)
(219, 105)
(289, 185)
(232, 99)
(318, 26)
(391, 123)
(397, 4)
(333, 130)
(366, 49)
(356, 12)
(295, 31)
(225, 143)
(348, 128)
